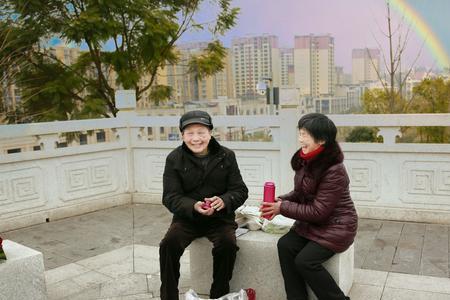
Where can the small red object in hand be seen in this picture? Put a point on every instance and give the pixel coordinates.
(206, 204)
(251, 294)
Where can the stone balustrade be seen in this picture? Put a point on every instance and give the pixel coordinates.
(389, 180)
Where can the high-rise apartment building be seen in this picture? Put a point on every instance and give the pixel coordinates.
(365, 64)
(339, 75)
(254, 58)
(286, 67)
(314, 65)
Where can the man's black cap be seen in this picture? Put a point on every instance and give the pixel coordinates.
(196, 117)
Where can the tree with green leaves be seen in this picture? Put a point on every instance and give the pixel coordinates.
(142, 33)
(362, 134)
(432, 96)
(380, 101)
(13, 57)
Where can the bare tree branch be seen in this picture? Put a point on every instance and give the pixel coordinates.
(383, 83)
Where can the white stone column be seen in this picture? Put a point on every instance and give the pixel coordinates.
(389, 134)
(48, 141)
(126, 103)
(288, 145)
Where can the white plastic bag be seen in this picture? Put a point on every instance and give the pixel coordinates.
(241, 295)
(278, 225)
(249, 217)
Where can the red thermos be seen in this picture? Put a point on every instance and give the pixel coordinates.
(269, 193)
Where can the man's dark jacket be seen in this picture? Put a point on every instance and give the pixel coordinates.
(186, 181)
(320, 201)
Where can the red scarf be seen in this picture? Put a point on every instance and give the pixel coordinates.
(311, 154)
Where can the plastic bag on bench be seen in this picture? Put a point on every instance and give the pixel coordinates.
(249, 217)
(241, 295)
(278, 225)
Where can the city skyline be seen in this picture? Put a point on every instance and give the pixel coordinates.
(353, 24)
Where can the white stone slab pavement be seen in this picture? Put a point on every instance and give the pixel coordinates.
(132, 272)
(378, 285)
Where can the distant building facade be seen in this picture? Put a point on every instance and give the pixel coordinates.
(314, 65)
(365, 65)
(287, 73)
(254, 58)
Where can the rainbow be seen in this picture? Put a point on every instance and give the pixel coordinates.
(424, 31)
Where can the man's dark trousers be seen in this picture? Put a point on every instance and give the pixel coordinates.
(179, 236)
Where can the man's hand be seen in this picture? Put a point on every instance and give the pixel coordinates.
(270, 209)
(198, 208)
(216, 202)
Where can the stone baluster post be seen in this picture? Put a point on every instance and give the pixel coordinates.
(288, 144)
(126, 103)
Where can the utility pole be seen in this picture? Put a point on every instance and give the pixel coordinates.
(269, 91)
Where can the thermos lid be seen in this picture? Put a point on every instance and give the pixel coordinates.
(269, 183)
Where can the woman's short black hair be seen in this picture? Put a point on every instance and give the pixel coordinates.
(320, 127)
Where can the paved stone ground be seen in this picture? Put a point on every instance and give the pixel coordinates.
(130, 272)
(411, 248)
(85, 255)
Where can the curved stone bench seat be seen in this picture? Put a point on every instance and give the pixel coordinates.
(257, 266)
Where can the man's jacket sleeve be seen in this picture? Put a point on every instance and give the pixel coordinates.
(237, 191)
(173, 194)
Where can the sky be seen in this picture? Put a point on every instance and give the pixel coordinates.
(352, 23)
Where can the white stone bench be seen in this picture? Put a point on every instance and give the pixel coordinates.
(257, 266)
(22, 274)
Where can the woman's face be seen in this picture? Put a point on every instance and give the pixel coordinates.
(197, 137)
(307, 142)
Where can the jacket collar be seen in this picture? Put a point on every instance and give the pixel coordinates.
(216, 154)
(330, 156)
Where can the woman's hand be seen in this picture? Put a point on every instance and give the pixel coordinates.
(270, 209)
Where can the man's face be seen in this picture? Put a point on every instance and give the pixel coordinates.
(197, 137)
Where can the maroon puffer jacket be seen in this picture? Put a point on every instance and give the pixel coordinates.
(320, 201)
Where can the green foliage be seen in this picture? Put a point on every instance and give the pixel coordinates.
(362, 134)
(380, 101)
(210, 62)
(432, 95)
(226, 18)
(48, 90)
(143, 34)
(12, 53)
(160, 92)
